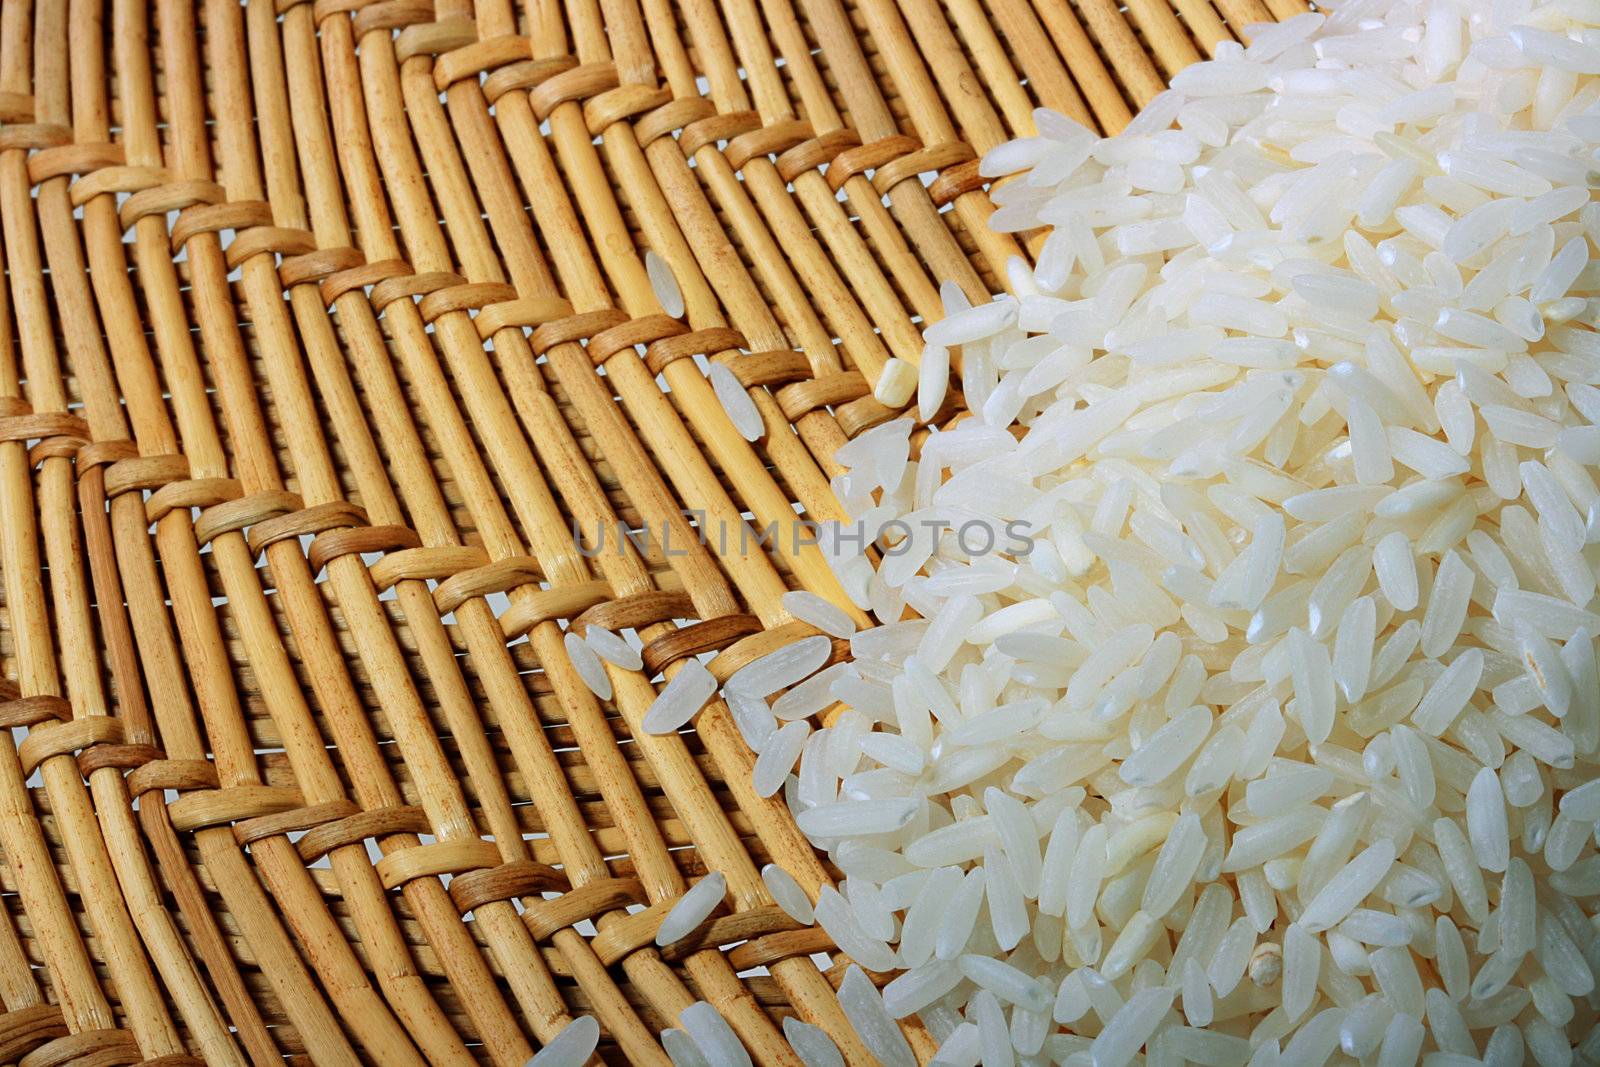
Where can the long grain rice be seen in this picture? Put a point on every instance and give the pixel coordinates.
(572, 1047)
(1277, 741)
(681, 699)
(693, 908)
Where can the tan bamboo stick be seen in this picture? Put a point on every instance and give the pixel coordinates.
(84, 1003)
(848, 249)
(638, 705)
(151, 625)
(1163, 34)
(283, 867)
(71, 972)
(106, 421)
(1100, 87)
(19, 986)
(789, 970)
(1286, 9)
(901, 32)
(927, 253)
(1243, 13)
(579, 851)
(352, 305)
(551, 656)
(441, 798)
(1034, 58)
(1135, 68)
(1204, 24)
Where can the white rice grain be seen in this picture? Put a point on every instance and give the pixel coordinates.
(613, 649)
(1486, 821)
(787, 894)
(778, 670)
(664, 284)
(810, 608)
(715, 1038)
(692, 909)
(1348, 888)
(736, 402)
(778, 757)
(587, 665)
(681, 699)
(1120, 1041)
(572, 1047)
(812, 1044)
(864, 1008)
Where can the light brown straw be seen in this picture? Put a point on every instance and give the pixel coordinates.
(329, 346)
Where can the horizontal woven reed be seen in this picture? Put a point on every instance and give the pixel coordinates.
(325, 325)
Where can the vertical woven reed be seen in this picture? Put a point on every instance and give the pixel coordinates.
(325, 323)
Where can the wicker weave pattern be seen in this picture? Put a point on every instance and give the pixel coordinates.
(299, 403)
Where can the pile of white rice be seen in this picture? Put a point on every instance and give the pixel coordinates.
(1279, 744)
